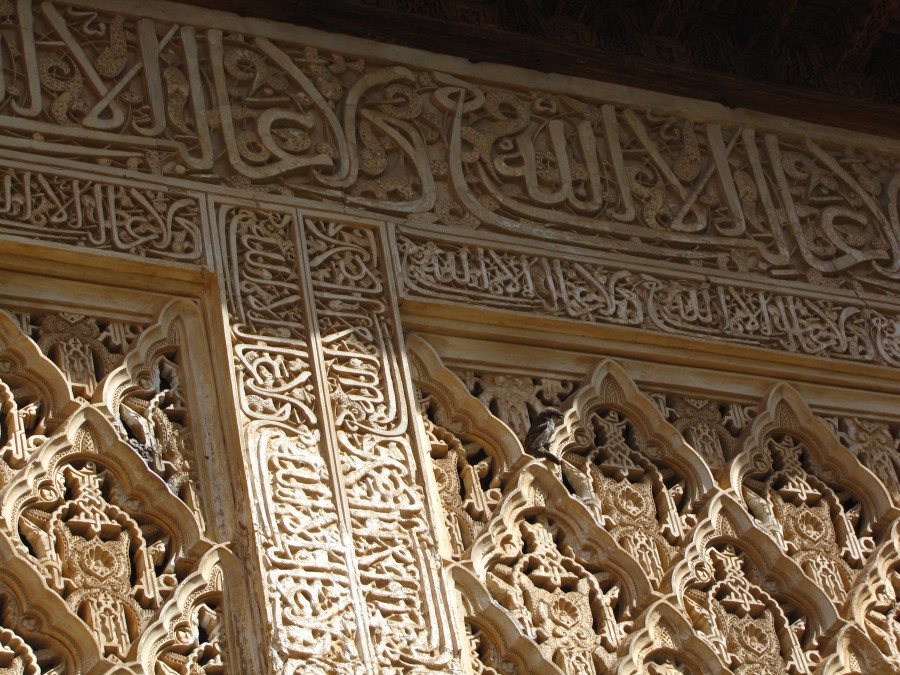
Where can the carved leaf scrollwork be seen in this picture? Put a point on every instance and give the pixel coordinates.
(769, 550)
(99, 539)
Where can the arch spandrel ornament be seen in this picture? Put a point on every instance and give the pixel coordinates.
(667, 644)
(825, 509)
(565, 584)
(874, 604)
(35, 397)
(640, 478)
(151, 398)
(471, 450)
(752, 604)
(876, 444)
(105, 534)
(713, 428)
(99, 537)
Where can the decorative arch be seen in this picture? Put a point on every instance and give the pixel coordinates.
(37, 633)
(874, 602)
(667, 643)
(471, 450)
(191, 631)
(643, 482)
(23, 365)
(733, 593)
(746, 599)
(105, 534)
(149, 405)
(825, 509)
(496, 642)
(564, 583)
(103, 505)
(852, 653)
(35, 398)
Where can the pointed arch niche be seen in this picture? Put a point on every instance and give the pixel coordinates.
(639, 552)
(118, 538)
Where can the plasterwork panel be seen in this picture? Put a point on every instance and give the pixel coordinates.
(200, 98)
(229, 458)
(712, 426)
(107, 215)
(765, 538)
(325, 416)
(115, 493)
(625, 294)
(180, 94)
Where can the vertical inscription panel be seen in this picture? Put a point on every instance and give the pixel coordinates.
(303, 555)
(345, 537)
(369, 412)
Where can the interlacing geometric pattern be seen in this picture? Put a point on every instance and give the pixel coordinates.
(795, 229)
(760, 543)
(309, 200)
(108, 564)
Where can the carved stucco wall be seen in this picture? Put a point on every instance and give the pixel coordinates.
(279, 308)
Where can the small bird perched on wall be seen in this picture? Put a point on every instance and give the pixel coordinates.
(537, 440)
(537, 444)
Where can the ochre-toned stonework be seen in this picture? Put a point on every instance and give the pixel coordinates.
(285, 317)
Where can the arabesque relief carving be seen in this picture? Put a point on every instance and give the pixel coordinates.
(368, 407)
(84, 348)
(100, 537)
(223, 451)
(669, 534)
(148, 393)
(308, 579)
(745, 600)
(612, 293)
(325, 418)
(105, 215)
(811, 495)
(643, 482)
(515, 399)
(572, 593)
(179, 98)
(471, 450)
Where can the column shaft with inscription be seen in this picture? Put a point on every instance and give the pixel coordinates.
(346, 543)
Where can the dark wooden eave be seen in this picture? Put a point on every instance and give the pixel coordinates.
(834, 62)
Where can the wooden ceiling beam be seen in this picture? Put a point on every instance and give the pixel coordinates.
(865, 34)
(764, 31)
(672, 16)
(525, 33)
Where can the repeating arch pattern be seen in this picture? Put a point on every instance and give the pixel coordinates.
(565, 584)
(824, 508)
(637, 552)
(109, 560)
(643, 480)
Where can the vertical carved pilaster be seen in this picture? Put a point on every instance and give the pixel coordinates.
(304, 555)
(370, 432)
(346, 539)
(352, 572)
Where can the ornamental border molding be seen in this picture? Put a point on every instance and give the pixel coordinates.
(429, 140)
(616, 293)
